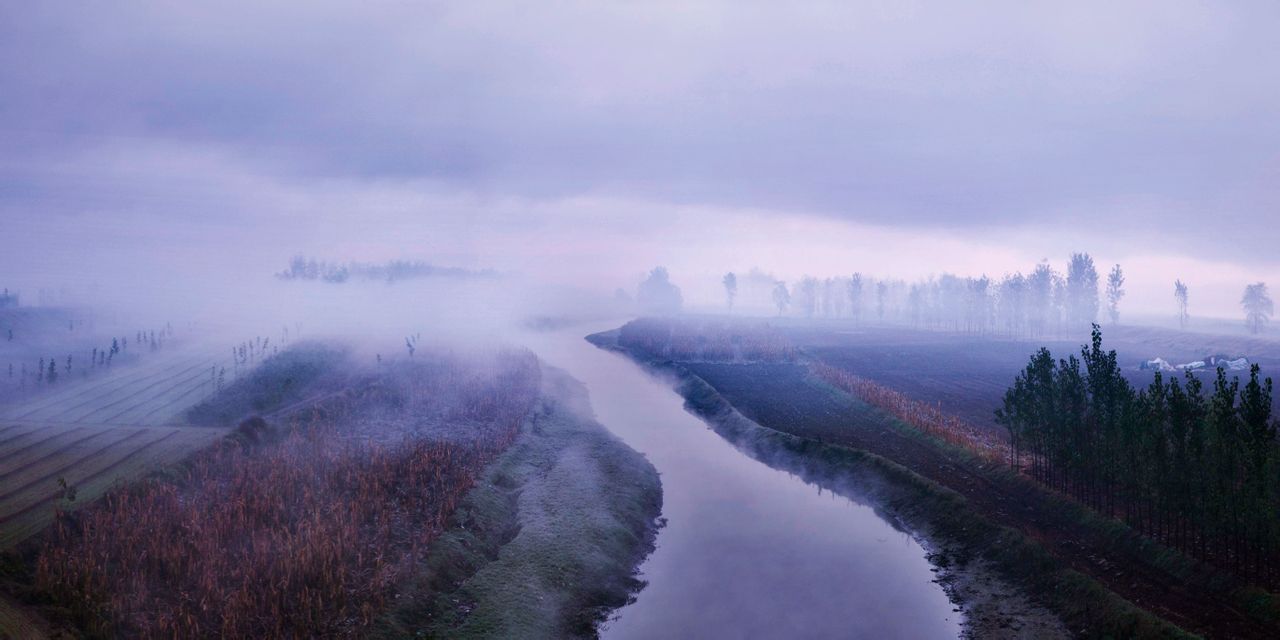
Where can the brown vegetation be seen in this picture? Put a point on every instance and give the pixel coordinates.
(926, 417)
(303, 534)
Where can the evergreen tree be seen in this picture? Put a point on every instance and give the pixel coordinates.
(1197, 473)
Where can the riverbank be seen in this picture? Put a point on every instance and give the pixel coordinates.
(1008, 585)
(547, 542)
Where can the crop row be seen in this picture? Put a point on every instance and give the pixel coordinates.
(88, 467)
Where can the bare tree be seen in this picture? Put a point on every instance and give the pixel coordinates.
(1180, 294)
(1115, 291)
(730, 288)
(1257, 307)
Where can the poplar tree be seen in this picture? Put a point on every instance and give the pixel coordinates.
(1180, 295)
(1115, 291)
(730, 282)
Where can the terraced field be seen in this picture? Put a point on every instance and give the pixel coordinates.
(95, 433)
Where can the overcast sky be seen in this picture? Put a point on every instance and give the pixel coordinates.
(588, 141)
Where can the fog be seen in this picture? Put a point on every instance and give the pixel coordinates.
(810, 248)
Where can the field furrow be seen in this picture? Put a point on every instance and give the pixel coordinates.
(14, 434)
(97, 430)
(92, 480)
(120, 410)
(5, 431)
(78, 405)
(44, 441)
(59, 445)
(177, 401)
(111, 383)
(32, 482)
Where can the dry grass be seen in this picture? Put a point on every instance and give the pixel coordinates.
(921, 415)
(307, 534)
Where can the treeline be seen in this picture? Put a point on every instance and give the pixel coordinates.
(1194, 468)
(303, 268)
(1042, 302)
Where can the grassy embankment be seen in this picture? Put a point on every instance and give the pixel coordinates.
(547, 542)
(304, 371)
(941, 515)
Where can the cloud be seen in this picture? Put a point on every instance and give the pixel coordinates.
(1136, 126)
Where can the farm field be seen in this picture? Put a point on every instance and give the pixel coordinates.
(152, 393)
(783, 397)
(92, 434)
(362, 468)
(968, 375)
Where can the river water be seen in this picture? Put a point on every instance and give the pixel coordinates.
(749, 551)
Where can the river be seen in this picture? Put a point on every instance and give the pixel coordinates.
(749, 551)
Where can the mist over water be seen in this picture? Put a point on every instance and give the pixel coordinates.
(748, 550)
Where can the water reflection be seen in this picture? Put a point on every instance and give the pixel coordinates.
(750, 551)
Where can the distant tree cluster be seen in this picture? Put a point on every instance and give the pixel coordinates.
(1196, 469)
(8, 300)
(1042, 302)
(657, 295)
(1039, 303)
(303, 268)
